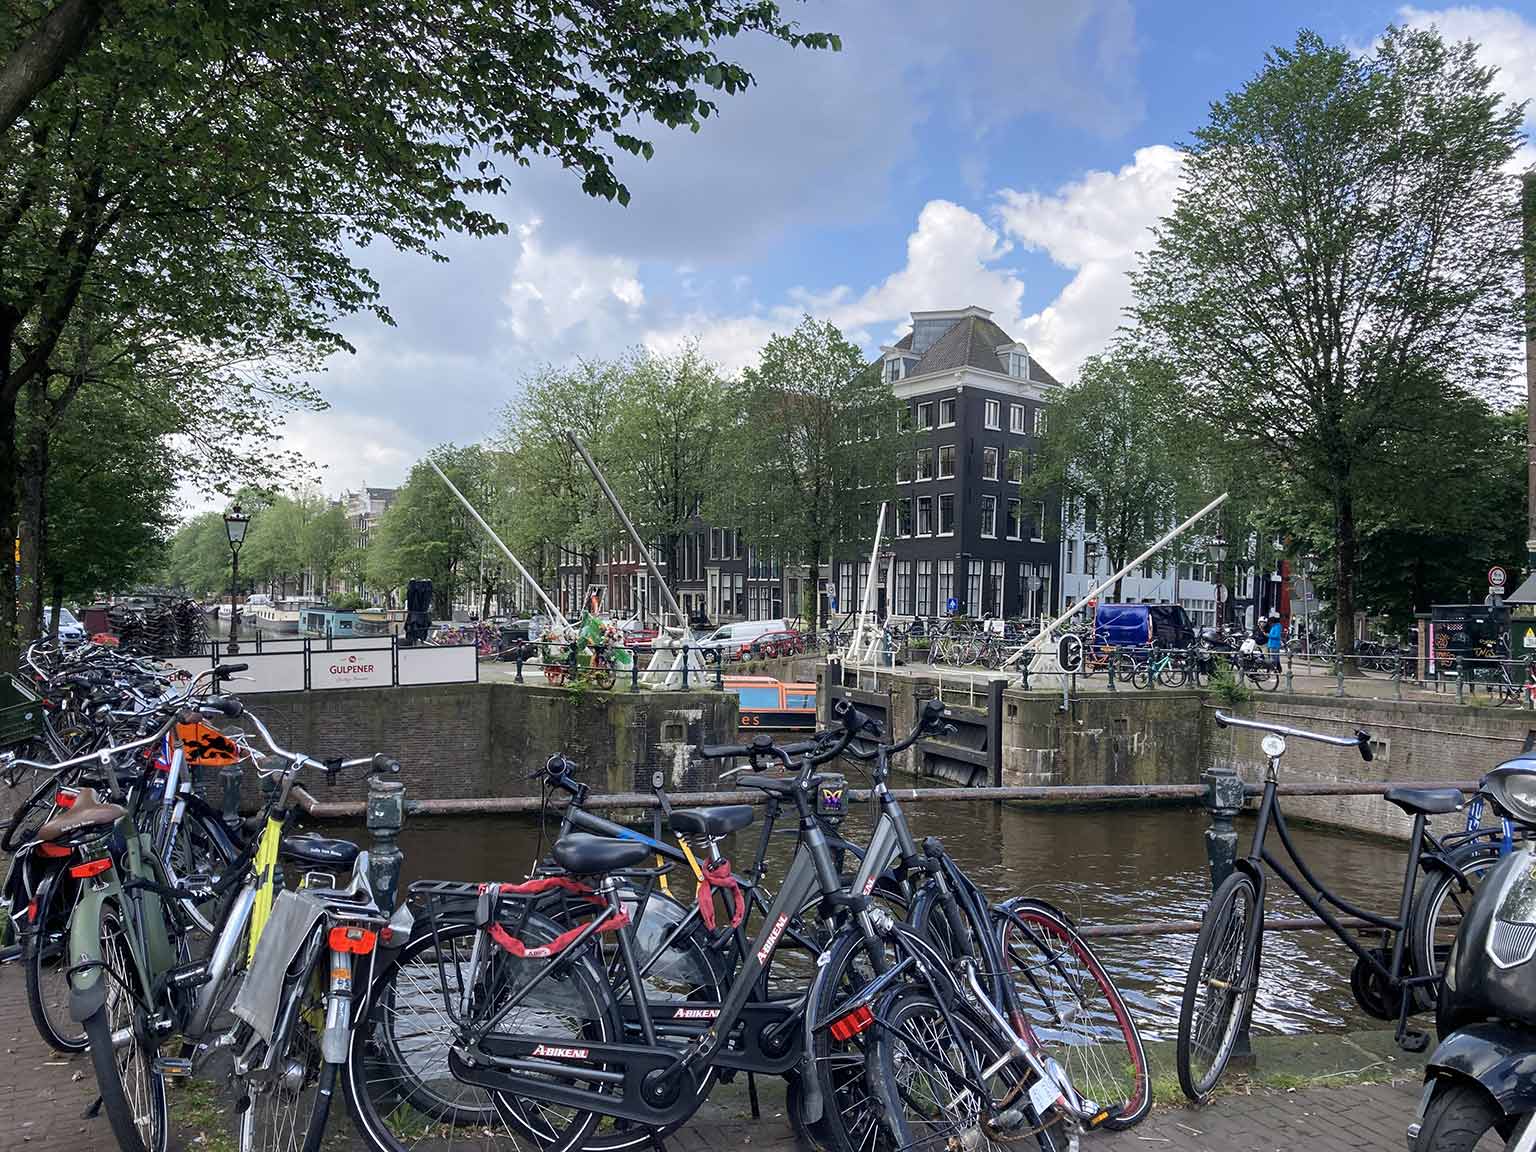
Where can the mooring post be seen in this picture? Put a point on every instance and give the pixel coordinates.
(685, 667)
(229, 778)
(995, 729)
(1461, 682)
(1224, 800)
(386, 816)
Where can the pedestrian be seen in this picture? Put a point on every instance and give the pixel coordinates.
(1276, 639)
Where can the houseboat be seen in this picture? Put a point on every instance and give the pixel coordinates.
(321, 622)
(769, 705)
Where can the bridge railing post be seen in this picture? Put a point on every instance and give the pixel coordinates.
(1223, 801)
(685, 667)
(386, 817)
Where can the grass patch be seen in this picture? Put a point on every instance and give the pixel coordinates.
(201, 1116)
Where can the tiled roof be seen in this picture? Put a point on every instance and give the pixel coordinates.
(972, 342)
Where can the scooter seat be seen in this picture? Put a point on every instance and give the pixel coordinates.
(718, 821)
(1429, 801)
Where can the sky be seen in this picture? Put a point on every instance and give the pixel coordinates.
(1010, 155)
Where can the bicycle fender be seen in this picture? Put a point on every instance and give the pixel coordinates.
(811, 1103)
(87, 984)
(1438, 862)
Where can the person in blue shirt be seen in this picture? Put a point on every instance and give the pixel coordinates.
(1276, 639)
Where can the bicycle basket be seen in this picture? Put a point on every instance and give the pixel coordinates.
(21, 713)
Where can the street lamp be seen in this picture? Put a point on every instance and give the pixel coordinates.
(1217, 549)
(235, 524)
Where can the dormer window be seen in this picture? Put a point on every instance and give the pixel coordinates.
(1015, 360)
(895, 369)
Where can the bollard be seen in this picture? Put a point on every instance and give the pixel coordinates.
(386, 816)
(519, 656)
(229, 809)
(1461, 682)
(1110, 667)
(1398, 678)
(685, 667)
(1023, 673)
(1338, 675)
(719, 675)
(1224, 800)
(1290, 675)
(634, 671)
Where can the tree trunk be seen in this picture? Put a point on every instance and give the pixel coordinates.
(39, 60)
(815, 592)
(8, 649)
(32, 477)
(1345, 544)
(58, 607)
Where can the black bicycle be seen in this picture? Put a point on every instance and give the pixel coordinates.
(1224, 969)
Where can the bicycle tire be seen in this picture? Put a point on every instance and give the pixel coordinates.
(1042, 945)
(47, 954)
(1174, 674)
(1438, 895)
(1234, 977)
(140, 1124)
(850, 1113)
(918, 1044)
(416, 1097)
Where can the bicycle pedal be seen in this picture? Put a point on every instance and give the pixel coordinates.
(173, 1066)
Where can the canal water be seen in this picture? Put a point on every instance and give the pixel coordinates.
(1101, 867)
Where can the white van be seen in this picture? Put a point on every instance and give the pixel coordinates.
(734, 636)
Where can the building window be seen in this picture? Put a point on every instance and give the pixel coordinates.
(1016, 418)
(946, 461)
(925, 415)
(925, 463)
(1091, 514)
(925, 515)
(741, 594)
(946, 586)
(1071, 556)
(861, 584)
(996, 607)
(1015, 467)
(904, 517)
(1090, 557)
(1018, 365)
(845, 587)
(1038, 526)
(904, 468)
(992, 414)
(989, 516)
(904, 588)
(989, 457)
(973, 589)
(924, 606)
(1040, 421)
(1015, 510)
(947, 514)
(903, 419)
(894, 369)
(947, 413)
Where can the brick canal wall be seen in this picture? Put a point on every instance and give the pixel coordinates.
(457, 741)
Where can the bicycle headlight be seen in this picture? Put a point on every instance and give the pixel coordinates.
(1512, 788)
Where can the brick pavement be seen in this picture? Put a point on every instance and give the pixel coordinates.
(43, 1097)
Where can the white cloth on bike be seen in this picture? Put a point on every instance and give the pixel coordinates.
(294, 915)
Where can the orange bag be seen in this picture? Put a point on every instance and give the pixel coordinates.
(205, 746)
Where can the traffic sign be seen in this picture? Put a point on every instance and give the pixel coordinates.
(952, 605)
(1497, 577)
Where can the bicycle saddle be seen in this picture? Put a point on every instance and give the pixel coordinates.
(718, 821)
(318, 850)
(1430, 801)
(583, 854)
(79, 818)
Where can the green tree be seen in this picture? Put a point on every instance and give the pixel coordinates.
(199, 556)
(814, 443)
(327, 538)
(1342, 264)
(138, 157)
(1116, 452)
(665, 443)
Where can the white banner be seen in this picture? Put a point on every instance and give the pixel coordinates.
(352, 669)
(433, 665)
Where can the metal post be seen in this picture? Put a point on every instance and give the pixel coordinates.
(1398, 679)
(1224, 800)
(1111, 670)
(1290, 676)
(685, 667)
(234, 592)
(719, 676)
(634, 671)
(1338, 675)
(519, 654)
(229, 778)
(386, 816)
(995, 729)
(1151, 672)
(1461, 682)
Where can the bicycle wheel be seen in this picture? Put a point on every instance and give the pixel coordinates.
(918, 1067)
(287, 1103)
(132, 1091)
(1174, 673)
(1438, 908)
(47, 959)
(1219, 990)
(399, 1087)
(1076, 1013)
(850, 1116)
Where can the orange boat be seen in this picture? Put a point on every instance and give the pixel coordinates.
(773, 706)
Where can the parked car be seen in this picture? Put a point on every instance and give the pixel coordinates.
(71, 631)
(785, 642)
(730, 640)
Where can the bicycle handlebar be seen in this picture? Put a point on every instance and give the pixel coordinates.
(1360, 741)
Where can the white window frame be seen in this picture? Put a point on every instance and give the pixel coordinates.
(907, 500)
(992, 415)
(988, 522)
(1016, 419)
(1040, 421)
(938, 508)
(917, 516)
(925, 414)
(992, 473)
(927, 455)
(953, 409)
(1015, 522)
(1039, 537)
(939, 463)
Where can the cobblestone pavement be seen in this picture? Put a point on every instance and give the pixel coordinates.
(43, 1098)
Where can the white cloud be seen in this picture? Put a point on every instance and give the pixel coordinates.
(1504, 40)
(564, 293)
(1094, 226)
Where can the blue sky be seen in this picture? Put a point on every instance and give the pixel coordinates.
(1006, 154)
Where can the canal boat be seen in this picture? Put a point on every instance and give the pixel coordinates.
(320, 622)
(771, 705)
(380, 621)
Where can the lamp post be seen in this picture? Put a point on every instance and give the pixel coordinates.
(235, 524)
(1032, 581)
(1217, 549)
